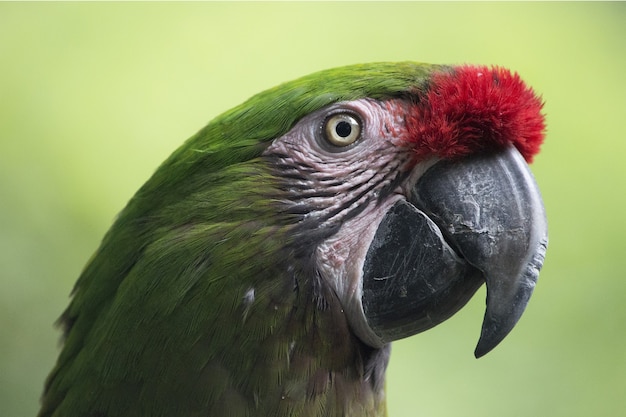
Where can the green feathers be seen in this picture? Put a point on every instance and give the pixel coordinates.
(196, 303)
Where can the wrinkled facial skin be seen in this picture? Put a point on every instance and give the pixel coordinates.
(345, 189)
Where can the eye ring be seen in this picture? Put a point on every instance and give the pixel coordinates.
(342, 129)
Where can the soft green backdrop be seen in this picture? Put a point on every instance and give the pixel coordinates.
(94, 96)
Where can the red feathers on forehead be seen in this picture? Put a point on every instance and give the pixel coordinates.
(476, 108)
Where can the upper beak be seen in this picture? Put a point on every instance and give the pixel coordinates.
(465, 222)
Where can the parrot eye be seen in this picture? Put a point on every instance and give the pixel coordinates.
(342, 129)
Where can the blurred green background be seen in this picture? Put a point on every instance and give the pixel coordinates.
(94, 96)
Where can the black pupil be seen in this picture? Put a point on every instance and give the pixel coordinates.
(343, 129)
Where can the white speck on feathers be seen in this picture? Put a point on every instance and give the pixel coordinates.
(248, 297)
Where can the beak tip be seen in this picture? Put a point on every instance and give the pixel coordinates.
(488, 341)
(491, 336)
(480, 351)
(505, 308)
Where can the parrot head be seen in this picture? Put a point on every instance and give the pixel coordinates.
(266, 266)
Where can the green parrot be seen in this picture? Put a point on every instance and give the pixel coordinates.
(268, 263)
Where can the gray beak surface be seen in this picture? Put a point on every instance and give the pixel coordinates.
(465, 222)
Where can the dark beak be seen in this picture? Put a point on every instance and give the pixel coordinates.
(465, 222)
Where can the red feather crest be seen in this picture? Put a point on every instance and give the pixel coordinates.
(476, 108)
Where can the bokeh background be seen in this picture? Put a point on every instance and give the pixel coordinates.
(94, 96)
